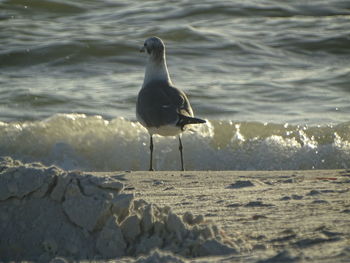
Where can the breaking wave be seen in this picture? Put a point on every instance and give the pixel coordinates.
(91, 143)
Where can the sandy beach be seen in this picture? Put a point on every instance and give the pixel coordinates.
(277, 216)
(48, 214)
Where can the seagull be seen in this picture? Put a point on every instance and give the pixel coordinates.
(161, 108)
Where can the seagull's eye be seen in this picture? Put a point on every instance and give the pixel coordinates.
(148, 49)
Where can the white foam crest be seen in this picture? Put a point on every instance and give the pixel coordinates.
(342, 148)
(77, 141)
(238, 136)
(308, 141)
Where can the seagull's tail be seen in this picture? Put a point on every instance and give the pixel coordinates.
(184, 120)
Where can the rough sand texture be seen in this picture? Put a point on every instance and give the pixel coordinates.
(46, 212)
(273, 216)
(294, 216)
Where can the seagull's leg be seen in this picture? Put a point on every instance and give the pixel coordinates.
(151, 153)
(181, 156)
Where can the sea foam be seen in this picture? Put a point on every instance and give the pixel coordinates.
(78, 141)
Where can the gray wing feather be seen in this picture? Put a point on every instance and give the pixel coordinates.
(159, 103)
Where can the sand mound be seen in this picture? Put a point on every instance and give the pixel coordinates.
(46, 212)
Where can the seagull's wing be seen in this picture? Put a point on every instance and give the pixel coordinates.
(160, 104)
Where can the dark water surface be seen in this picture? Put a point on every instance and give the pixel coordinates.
(272, 77)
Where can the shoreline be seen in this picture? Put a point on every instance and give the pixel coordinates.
(222, 216)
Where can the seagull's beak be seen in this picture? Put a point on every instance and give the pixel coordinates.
(142, 49)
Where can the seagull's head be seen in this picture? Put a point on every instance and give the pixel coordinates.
(154, 47)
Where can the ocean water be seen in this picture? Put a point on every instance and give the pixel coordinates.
(271, 77)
